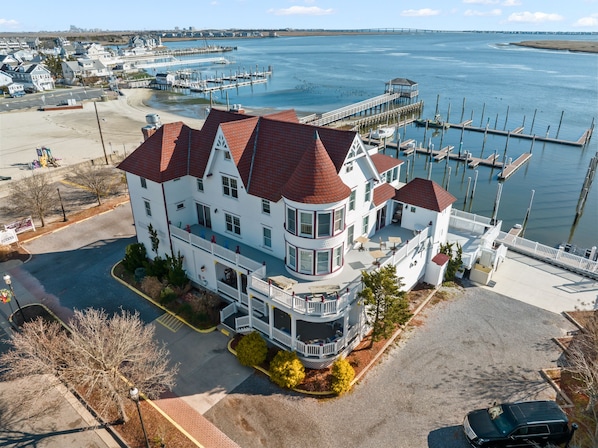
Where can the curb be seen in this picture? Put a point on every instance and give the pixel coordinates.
(393, 338)
(558, 390)
(265, 372)
(70, 223)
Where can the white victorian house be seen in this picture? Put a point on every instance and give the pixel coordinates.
(281, 218)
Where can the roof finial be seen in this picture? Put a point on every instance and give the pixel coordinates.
(316, 135)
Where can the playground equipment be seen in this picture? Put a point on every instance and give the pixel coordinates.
(44, 159)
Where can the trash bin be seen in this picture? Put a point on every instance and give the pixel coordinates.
(139, 274)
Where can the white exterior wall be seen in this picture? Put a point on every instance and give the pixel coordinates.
(153, 194)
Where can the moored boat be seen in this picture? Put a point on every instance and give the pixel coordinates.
(382, 133)
(437, 122)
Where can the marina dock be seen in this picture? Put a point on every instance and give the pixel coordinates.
(518, 133)
(514, 166)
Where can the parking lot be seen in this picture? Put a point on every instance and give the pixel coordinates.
(467, 352)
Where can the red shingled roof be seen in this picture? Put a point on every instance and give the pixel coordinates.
(426, 194)
(267, 150)
(163, 156)
(383, 163)
(315, 180)
(441, 259)
(383, 193)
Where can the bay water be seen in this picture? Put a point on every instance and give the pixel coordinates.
(476, 76)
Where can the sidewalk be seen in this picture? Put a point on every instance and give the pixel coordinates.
(544, 285)
(36, 425)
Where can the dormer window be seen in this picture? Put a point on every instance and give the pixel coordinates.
(143, 182)
(226, 155)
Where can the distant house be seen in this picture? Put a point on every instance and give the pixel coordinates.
(84, 69)
(13, 88)
(281, 218)
(33, 77)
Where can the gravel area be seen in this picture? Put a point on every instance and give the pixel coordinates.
(468, 351)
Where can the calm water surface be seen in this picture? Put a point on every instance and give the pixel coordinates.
(318, 74)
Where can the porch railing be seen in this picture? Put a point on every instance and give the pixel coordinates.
(301, 305)
(215, 249)
(572, 262)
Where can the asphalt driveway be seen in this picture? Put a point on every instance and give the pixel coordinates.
(474, 349)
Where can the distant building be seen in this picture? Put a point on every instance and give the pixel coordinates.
(84, 70)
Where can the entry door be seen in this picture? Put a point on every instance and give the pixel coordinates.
(203, 216)
(381, 218)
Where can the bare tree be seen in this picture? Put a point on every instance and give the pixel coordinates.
(99, 179)
(33, 195)
(100, 356)
(582, 362)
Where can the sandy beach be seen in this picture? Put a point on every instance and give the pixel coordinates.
(73, 135)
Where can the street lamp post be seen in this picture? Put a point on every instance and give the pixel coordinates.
(61, 206)
(8, 282)
(134, 394)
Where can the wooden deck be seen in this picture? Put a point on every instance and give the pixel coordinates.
(512, 167)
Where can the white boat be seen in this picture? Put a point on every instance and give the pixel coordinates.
(381, 133)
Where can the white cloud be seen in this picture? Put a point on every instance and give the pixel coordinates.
(481, 2)
(425, 12)
(587, 21)
(534, 17)
(8, 23)
(474, 13)
(511, 3)
(301, 11)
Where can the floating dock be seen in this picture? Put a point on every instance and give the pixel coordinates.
(514, 166)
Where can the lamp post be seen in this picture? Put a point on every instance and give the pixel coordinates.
(134, 394)
(61, 206)
(8, 282)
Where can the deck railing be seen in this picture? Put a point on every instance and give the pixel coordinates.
(557, 256)
(215, 249)
(300, 304)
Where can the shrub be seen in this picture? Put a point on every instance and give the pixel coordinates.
(158, 267)
(252, 349)
(175, 274)
(286, 369)
(342, 375)
(167, 295)
(135, 257)
(152, 287)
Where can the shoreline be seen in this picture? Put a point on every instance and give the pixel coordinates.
(73, 136)
(580, 46)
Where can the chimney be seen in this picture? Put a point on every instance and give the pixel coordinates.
(148, 131)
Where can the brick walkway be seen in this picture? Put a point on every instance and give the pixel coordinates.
(194, 424)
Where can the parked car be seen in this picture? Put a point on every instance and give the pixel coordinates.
(518, 424)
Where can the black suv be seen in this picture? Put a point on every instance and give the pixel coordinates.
(518, 424)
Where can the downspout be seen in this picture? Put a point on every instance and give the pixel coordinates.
(257, 131)
(167, 220)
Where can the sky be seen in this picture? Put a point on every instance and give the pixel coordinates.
(457, 15)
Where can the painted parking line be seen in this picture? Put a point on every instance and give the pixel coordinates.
(170, 322)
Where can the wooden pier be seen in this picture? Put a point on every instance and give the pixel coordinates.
(216, 84)
(514, 166)
(518, 132)
(382, 109)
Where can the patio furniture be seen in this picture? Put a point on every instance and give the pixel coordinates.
(377, 254)
(362, 240)
(282, 282)
(395, 240)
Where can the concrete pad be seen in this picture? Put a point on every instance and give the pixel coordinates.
(208, 371)
(543, 285)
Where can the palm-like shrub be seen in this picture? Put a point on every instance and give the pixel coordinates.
(342, 375)
(252, 349)
(286, 369)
